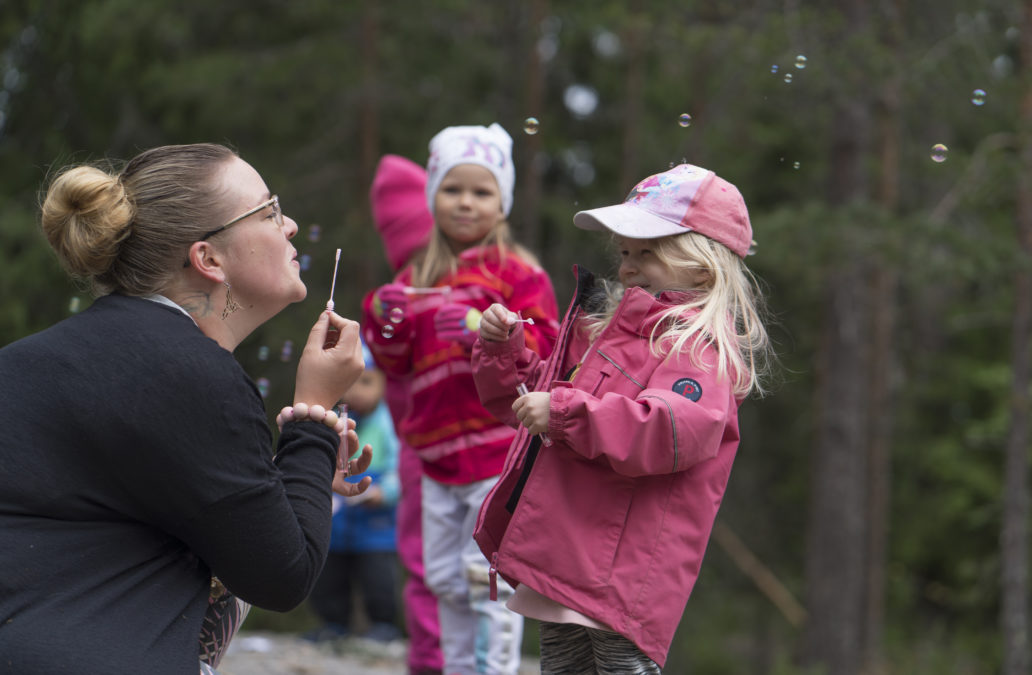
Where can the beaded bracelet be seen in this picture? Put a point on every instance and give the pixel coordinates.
(300, 412)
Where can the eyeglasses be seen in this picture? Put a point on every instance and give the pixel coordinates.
(277, 214)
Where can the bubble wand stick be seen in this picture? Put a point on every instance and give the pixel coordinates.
(522, 390)
(343, 462)
(333, 286)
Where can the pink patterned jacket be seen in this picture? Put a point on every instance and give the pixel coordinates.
(458, 440)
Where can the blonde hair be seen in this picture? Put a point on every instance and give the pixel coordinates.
(130, 231)
(726, 311)
(438, 259)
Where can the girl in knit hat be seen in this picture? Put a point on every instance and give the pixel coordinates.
(604, 531)
(422, 327)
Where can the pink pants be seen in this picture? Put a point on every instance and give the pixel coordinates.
(421, 620)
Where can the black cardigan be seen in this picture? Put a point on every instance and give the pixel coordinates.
(135, 461)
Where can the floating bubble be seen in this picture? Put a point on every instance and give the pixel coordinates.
(800, 62)
(74, 304)
(978, 97)
(774, 68)
(387, 331)
(685, 120)
(305, 262)
(314, 233)
(263, 353)
(531, 126)
(939, 152)
(795, 165)
(287, 351)
(788, 78)
(396, 315)
(263, 386)
(580, 99)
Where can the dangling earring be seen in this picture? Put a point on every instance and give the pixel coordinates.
(231, 304)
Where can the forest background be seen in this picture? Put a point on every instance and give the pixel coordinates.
(877, 516)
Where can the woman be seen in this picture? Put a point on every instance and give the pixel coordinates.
(135, 464)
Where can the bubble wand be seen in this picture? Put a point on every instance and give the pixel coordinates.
(522, 390)
(333, 286)
(416, 290)
(343, 461)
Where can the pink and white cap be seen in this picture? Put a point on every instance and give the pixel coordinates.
(684, 199)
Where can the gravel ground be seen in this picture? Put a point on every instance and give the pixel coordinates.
(262, 653)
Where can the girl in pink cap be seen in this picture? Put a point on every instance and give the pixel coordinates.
(602, 531)
(422, 328)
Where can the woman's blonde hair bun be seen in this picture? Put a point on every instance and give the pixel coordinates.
(86, 216)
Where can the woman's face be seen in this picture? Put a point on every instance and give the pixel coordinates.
(260, 262)
(467, 206)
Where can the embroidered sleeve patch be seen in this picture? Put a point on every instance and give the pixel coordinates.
(688, 388)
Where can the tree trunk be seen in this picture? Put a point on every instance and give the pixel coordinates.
(530, 172)
(365, 272)
(837, 536)
(632, 37)
(1014, 557)
(884, 282)
(369, 129)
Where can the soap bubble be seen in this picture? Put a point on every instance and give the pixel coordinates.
(795, 165)
(305, 262)
(387, 331)
(531, 126)
(788, 78)
(263, 386)
(263, 353)
(314, 233)
(287, 351)
(939, 152)
(74, 304)
(685, 120)
(800, 62)
(396, 315)
(774, 68)
(978, 97)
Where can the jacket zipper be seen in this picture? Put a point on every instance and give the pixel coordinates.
(492, 574)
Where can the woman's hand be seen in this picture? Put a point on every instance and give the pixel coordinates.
(351, 468)
(331, 361)
(533, 410)
(346, 468)
(496, 323)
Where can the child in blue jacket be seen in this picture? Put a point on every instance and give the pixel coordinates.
(363, 558)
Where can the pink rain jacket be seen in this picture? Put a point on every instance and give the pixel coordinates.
(611, 520)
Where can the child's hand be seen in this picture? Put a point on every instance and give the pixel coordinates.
(455, 322)
(496, 323)
(390, 303)
(533, 410)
